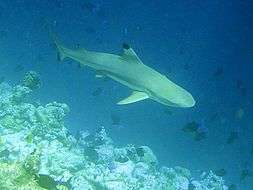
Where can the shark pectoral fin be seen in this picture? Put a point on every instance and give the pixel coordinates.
(130, 55)
(134, 97)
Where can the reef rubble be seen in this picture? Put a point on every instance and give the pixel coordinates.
(37, 152)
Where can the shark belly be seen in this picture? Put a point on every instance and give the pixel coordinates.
(125, 82)
(125, 76)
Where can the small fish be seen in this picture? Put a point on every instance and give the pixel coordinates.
(244, 91)
(239, 113)
(232, 187)
(5, 153)
(99, 40)
(115, 119)
(111, 165)
(190, 127)
(90, 30)
(187, 66)
(2, 79)
(232, 137)
(3, 34)
(138, 28)
(36, 103)
(46, 181)
(198, 130)
(221, 172)
(90, 7)
(97, 92)
(39, 58)
(101, 12)
(201, 132)
(58, 3)
(61, 187)
(29, 138)
(168, 112)
(77, 46)
(125, 31)
(219, 72)
(239, 84)
(202, 127)
(18, 68)
(214, 117)
(191, 186)
(245, 173)
(181, 50)
(77, 135)
(241, 87)
(199, 136)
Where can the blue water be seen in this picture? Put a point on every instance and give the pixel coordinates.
(205, 46)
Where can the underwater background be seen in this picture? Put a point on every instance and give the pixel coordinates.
(204, 46)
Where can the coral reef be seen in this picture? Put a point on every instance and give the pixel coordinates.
(15, 176)
(31, 80)
(37, 152)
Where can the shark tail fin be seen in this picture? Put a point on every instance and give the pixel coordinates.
(61, 55)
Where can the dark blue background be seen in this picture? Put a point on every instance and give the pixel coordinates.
(186, 40)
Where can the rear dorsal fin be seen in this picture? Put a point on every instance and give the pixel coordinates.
(130, 55)
(81, 50)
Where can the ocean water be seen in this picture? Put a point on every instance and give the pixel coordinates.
(203, 46)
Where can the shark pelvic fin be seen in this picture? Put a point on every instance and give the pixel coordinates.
(130, 55)
(134, 97)
(99, 74)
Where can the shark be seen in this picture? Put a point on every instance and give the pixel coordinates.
(128, 69)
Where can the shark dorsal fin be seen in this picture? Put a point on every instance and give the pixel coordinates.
(134, 97)
(130, 55)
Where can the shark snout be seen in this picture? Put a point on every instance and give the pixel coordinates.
(188, 101)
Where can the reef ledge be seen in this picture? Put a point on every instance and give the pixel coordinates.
(37, 152)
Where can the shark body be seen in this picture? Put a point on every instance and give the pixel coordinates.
(129, 70)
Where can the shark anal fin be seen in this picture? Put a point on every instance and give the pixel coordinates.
(134, 97)
(100, 74)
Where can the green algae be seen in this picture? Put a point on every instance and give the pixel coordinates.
(18, 178)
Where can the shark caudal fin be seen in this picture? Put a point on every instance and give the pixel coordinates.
(61, 51)
(60, 54)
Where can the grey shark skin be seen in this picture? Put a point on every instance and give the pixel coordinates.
(129, 70)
